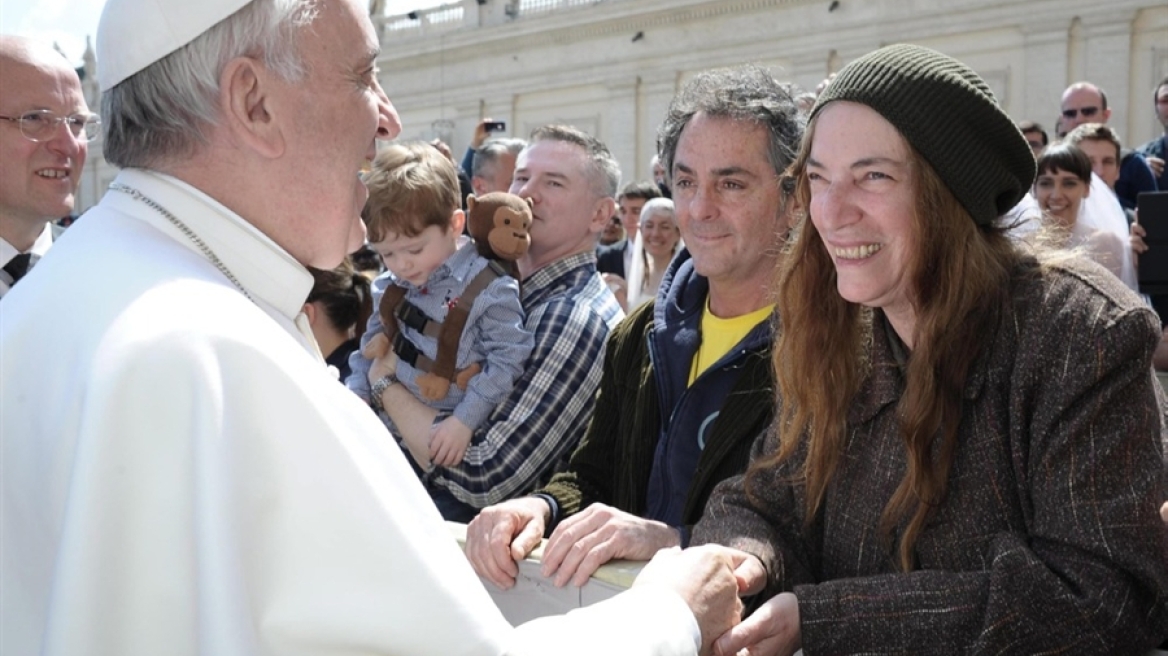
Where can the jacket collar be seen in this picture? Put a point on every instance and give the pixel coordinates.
(888, 364)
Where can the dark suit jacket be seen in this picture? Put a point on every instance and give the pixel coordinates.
(611, 258)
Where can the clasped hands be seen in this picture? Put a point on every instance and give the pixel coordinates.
(711, 579)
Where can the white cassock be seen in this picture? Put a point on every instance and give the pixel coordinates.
(179, 474)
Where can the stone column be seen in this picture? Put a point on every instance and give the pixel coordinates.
(1045, 49)
(656, 91)
(619, 125)
(1109, 41)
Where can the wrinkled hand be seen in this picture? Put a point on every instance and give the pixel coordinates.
(598, 534)
(705, 578)
(384, 360)
(772, 630)
(1156, 164)
(449, 439)
(504, 534)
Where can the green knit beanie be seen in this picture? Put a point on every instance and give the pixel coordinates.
(948, 113)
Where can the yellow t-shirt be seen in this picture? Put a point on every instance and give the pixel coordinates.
(720, 335)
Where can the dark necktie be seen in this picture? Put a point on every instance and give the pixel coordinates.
(18, 266)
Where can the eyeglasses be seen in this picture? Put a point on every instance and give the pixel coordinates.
(1087, 112)
(40, 125)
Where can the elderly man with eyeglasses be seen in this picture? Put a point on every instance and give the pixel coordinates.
(42, 159)
(1084, 102)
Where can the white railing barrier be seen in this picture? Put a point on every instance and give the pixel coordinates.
(536, 596)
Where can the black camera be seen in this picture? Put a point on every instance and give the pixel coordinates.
(495, 126)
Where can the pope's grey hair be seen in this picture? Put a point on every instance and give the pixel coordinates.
(743, 93)
(163, 112)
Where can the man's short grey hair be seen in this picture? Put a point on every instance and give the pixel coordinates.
(604, 170)
(743, 93)
(163, 112)
(487, 154)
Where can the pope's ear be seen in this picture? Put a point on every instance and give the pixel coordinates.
(249, 107)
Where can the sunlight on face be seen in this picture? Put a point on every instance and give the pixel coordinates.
(863, 195)
(1060, 194)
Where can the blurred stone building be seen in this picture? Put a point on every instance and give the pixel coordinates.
(610, 67)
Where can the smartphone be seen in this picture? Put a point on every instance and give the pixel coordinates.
(495, 126)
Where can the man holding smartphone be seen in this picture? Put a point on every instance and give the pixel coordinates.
(489, 161)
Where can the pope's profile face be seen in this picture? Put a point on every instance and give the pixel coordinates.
(337, 112)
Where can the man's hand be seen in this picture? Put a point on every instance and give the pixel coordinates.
(598, 534)
(1156, 164)
(773, 629)
(480, 133)
(1138, 245)
(448, 441)
(705, 578)
(503, 534)
(619, 288)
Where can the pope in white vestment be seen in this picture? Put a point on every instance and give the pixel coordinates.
(179, 473)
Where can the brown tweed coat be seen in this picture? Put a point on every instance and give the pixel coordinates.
(1049, 540)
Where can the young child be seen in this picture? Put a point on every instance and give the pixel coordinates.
(415, 222)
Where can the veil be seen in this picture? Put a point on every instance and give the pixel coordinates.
(636, 280)
(1101, 211)
(1101, 228)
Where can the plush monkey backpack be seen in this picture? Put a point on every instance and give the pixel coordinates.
(500, 225)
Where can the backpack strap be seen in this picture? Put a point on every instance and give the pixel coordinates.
(455, 323)
(410, 315)
(387, 308)
(394, 307)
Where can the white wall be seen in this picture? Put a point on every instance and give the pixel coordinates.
(579, 63)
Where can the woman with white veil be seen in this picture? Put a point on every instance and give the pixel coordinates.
(1081, 211)
(657, 240)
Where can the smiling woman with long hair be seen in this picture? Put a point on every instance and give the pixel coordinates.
(966, 456)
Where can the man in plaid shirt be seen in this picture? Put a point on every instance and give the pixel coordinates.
(572, 180)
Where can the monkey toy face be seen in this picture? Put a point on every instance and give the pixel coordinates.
(500, 224)
(510, 236)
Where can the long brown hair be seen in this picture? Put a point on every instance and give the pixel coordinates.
(960, 284)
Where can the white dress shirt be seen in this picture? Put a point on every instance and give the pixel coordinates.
(8, 251)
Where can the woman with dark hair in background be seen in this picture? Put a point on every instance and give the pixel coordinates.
(1062, 186)
(966, 455)
(338, 309)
